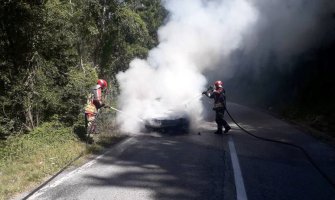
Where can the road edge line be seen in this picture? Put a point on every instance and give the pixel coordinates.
(118, 149)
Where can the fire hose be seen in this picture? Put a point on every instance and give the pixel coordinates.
(309, 158)
(120, 111)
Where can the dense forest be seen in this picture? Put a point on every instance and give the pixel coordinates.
(303, 92)
(53, 51)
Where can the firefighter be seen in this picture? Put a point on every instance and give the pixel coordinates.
(95, 101)
(218, 94)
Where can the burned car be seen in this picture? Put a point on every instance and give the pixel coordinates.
(168, 122)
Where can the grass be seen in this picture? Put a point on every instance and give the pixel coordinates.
(107, 135)
(107, 132)
(27, 159)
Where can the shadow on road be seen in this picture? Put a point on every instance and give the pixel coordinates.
(165, 168)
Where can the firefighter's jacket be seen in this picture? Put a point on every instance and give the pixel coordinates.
(94, 100)
(219, 99)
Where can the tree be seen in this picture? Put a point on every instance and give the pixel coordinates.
(52, 51)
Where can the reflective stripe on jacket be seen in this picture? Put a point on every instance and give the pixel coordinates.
(90, 108)
(97, 93)
(219, 98)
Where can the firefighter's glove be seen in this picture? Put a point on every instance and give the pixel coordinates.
(107, 107)
(205, 92)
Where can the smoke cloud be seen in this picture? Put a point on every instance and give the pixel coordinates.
(288, 28)
(206, 40)
(278, 52)
(197, 36)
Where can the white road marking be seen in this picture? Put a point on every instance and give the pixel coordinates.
(239, 183)
(117, 151)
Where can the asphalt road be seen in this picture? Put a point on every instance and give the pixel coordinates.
(274, 171)
(205, 166)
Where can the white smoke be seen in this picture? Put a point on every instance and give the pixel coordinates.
(197, 37)
(288, 28)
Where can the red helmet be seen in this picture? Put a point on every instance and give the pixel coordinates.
(218, 84)
(102, 83)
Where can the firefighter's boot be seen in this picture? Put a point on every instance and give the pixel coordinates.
(219, 131)
(227, 128)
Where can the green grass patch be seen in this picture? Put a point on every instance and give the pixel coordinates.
(26, 160)
(107, 136)
(103, 141)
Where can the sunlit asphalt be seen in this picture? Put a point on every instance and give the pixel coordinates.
(198, 165)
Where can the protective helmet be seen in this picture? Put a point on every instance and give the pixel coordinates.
(218, 84)
(102, 83)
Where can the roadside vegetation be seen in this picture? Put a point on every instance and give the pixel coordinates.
(303, 94)
(27, 159)
(51, 54)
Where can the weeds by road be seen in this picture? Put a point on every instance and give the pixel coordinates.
(27, 159)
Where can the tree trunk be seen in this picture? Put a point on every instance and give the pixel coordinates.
(28, 100)
(29, 118)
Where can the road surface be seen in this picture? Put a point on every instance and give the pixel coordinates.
(205, 166)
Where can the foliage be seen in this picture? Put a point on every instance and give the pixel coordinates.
(52, 52)
(129, 40)
(302, 93)
(29, 158)
(75, 92)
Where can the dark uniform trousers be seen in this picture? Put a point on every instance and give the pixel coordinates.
(219, 119)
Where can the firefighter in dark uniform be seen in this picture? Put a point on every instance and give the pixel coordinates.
(218, 94)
